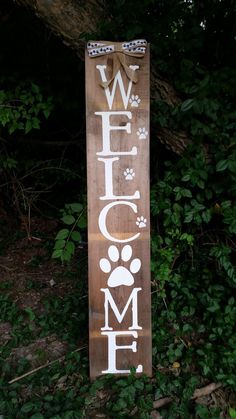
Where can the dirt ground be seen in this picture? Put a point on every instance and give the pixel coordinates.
(28, 276)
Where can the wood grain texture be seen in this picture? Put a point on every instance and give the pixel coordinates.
(121, 220)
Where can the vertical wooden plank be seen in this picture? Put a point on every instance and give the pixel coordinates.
(118, 217)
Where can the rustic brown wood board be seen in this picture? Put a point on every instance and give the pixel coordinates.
(118, 215)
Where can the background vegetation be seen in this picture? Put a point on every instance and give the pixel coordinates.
(43, 183)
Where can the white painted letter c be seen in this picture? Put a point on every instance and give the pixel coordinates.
(102, 221)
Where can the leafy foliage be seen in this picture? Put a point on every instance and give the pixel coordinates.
(66, 239)
(22, 106)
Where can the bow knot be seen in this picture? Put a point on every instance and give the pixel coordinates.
(135, 48)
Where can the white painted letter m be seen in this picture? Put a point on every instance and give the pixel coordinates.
(120, 316)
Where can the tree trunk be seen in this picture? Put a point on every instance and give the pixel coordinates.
(69, 19)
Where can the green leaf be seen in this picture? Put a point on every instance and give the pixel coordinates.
(186, 178)
(226, 204)
(35, 123)
(76, 236)
(37, 416)
(221, 165)
(187, 104)
(200, 184)
(82, 223)
(59, 244)
(46, 113)
(187, 193)
(69, 415)
(66, 256)
(139, 385)
(232, 166)
(30, 313)
(232, 413)
(35, 88)
(119, 405)
(62, 234)
(68, 219)
(57, 253)
(214, 307)
(206, 216)
(28, 126)
(231, 301)
(188, 217)
(70, 247)
(48, 397)
(76, 207)
(27, 407)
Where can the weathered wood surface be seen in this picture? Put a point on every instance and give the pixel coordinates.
(120, 264)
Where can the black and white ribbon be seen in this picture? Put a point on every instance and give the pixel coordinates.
(136, 48)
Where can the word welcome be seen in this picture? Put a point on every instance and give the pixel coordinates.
(120, 276)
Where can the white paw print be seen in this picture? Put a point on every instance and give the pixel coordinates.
(120, 275)
(129, 174)
(141, 222)
(142, 133)
(134, 101)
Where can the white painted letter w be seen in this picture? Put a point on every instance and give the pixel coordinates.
(117, 80)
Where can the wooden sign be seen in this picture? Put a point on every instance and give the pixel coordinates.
(117, 101)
